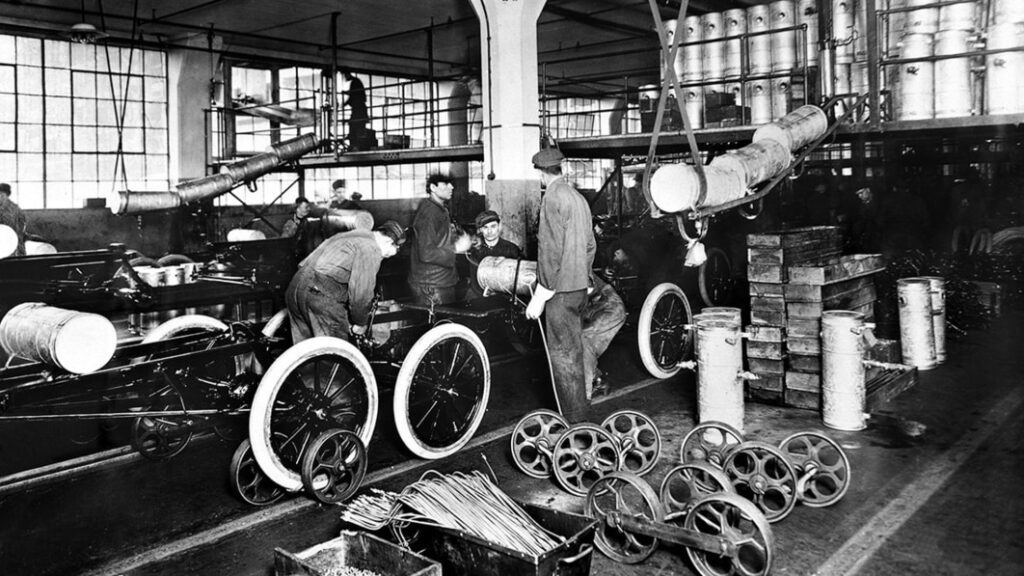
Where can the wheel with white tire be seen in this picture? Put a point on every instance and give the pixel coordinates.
(318, 384)
(661, 331)
(441, 391)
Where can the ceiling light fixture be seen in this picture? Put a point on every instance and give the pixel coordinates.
(83, 32)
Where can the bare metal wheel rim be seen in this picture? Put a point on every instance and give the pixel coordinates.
(686, 483)
(709, 442)
(319, 384)
(583, 454)
(762, 474)
(662, 336)
(533, 440)
(824, 464)
(639, 440)
(441, 391)
(248, 480)
(333, 466)
(522, 333)
(162, 437)
(623, 494)
(740, 522)
(714, 278)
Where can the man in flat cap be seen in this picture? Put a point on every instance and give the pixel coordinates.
(488, 228)
(342, 199)
(331, 293)
(433, 275)
(565, 257)
(11, 215)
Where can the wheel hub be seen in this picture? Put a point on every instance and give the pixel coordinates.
(759, 483)
(587, 461)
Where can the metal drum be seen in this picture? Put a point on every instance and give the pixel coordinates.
(78, 342)
(781, 96)
(958, 16)
(139, 202)
(796, 129)
(676, 187)
(152, 275)
(860, 26)
(694, 106)
(952, 76)
(1008, 11)
(731, 314)
(760, 102)
(174, 275)
(916, 90)
(924, 21)
(497, 274)
(807, 15)
(758, 162)
(677, 64)
(937, 290)
(735, 25)
(293, 148)
(843, 80)
(1004, 72)
(719, 363)
(783, 15)
(693, 70)
(736, 89)
(206, 187)
(713, 25)
(251, 168)
(759, 20)
(843, 30)
(843, 349)
(859, 77)
(917, 329)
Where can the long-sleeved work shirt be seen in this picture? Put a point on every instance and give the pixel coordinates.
(433, 249)
(566, 246)
(350, 258)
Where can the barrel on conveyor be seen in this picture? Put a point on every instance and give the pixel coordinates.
(79, 342)
(498, 274)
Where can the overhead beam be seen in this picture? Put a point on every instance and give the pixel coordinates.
(599, 23)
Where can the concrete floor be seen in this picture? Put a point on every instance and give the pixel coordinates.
(939, 502)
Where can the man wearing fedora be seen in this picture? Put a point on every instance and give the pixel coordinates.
(565, 256)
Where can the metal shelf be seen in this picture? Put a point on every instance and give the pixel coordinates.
(381, 157)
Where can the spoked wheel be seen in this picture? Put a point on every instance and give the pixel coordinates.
(522, 333)
(319, 384)
(639, 440)
(740, 522)
(661, 332)
(583, 454)
(249, 481)
(709, 442)
(162, 437)
(762, 474)
(334, 466)
(817, 455)
(533, 440)
(686, 483)
(714, 279)
(617, 495)
(441, 391)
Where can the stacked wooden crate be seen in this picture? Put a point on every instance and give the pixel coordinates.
(769, 258)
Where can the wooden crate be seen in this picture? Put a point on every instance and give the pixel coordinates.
(765, 333)
(795, 237)
(825, 292)
(766, 273)
(766, 289)
(795, 345)
(810, 363)
(802, 399)
(766, 365)
(803, 327)
(768, 303)
(765, 318)
(765, 350)
(803, 381)
(835, 269)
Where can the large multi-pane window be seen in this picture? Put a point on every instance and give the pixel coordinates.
(80, 121)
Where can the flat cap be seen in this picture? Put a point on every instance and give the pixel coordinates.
(392, 230)
(547, 158)
(340, 183)
(486, 217)
(5, 187)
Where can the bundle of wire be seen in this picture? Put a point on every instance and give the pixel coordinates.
(469, 503)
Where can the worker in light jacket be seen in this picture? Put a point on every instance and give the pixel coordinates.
(565, 256)
(432, 272)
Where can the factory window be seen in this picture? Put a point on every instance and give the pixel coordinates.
(80, 121)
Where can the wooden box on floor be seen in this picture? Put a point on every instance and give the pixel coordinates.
(358, 550)
(765, 359)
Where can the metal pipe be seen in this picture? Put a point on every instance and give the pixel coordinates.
(334, 83)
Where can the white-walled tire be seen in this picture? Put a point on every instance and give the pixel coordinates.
(661, 334)
(318, 384)
(445, 381)
(182, 324)
(276, 322)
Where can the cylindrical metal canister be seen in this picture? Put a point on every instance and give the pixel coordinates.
(923, 21)
(151, 275)
(676, 187)
(758, 161)
(796, 129)
(694, 105)
(289, 150)
(807, 15)
(916, 90)
(937, 290)
(734, 315)
(251, 168)
(693, 70)
(860, 25)
(760, 102)
(843, 79)
(859, 77)
(782, 93)
(783, 15)
(735, 25)
(339, 220)
(958, 16)
(719, 363)
(842, 369)
(139, 202)
(917, 329)
(78, 342)
(759, 20)
(714, 52)
(843, 30)
(1007, 11)
(498, 274)
(736, 89)
(952, 76)
(671, 26)
(174, 275)
(205, 187)
(1004, 72)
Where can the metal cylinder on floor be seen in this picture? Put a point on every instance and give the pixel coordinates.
(733, 314)
(783, 15)
(843, 350)
(759, 20)
(917, 328)
(937, 290)
(719, 363)
(916, 90)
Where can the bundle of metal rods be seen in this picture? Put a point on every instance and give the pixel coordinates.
(468, 503)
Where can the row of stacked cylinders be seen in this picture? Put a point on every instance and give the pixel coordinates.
(962, 85)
